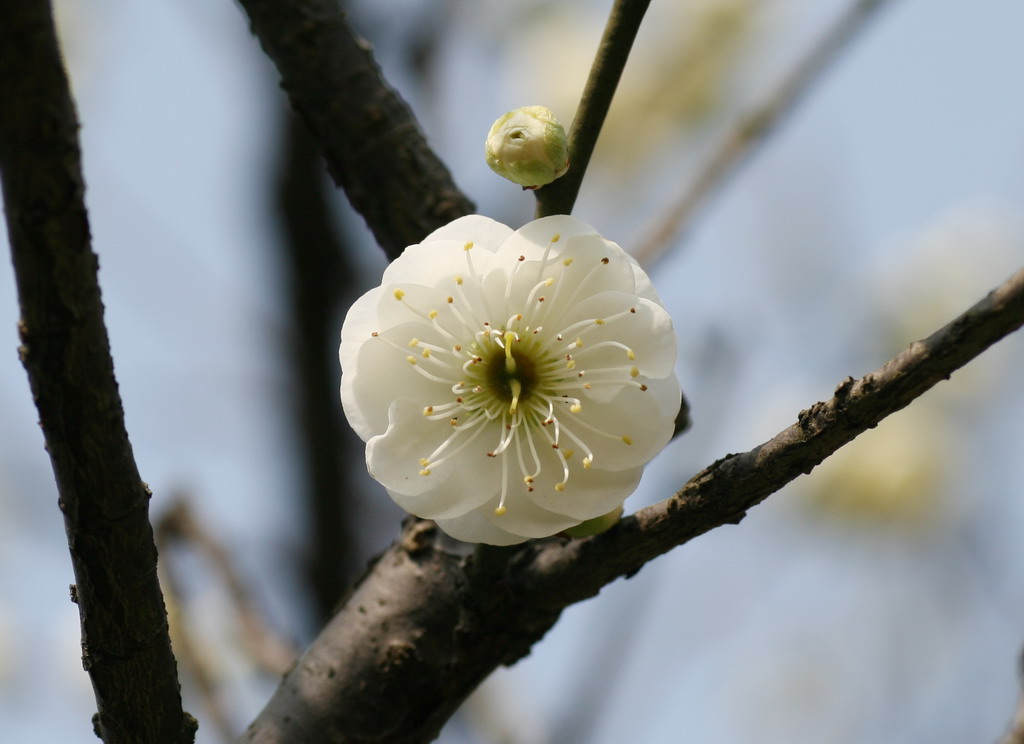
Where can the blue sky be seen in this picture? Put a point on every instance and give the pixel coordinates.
(906, 156)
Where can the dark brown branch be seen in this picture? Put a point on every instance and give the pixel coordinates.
(320, 276)
(429, 622)
(373, 146)
(612, 54)
(65, 350)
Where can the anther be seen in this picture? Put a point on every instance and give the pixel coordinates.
(626, 440)
(399, 294)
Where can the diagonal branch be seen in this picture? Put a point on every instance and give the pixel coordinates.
(374, 148)
(723, 492)
(430, 621)
(65, 350)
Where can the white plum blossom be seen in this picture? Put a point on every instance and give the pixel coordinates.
(510, 385)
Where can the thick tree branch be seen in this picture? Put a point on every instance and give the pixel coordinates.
(374, 148)
(125, 645)
(430, 621)
(623, 24)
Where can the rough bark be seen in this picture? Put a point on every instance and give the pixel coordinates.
(125, 645)
(429, 621)
(371, 141)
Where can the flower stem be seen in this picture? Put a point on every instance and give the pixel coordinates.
(559, 196)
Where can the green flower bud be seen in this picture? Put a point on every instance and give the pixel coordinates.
(528, 146)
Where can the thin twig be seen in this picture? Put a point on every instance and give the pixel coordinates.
(751, 130)
(623, 24)
(65, 349)
(430, 621)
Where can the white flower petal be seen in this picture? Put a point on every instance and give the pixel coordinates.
(451, 489)
(483, 231)
(378, 372)
(524, 517)
(637, 424)
(510, 385)
(474, 527)
(587, 494)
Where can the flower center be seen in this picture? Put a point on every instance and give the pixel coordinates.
(511, 374)
(520, 382)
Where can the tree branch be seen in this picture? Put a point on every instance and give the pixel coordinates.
(753, 128)
(125, 645)
(430, 621)
(559, 196)
(374, 148)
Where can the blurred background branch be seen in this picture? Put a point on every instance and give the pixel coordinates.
(321, 280)
(752, 129)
